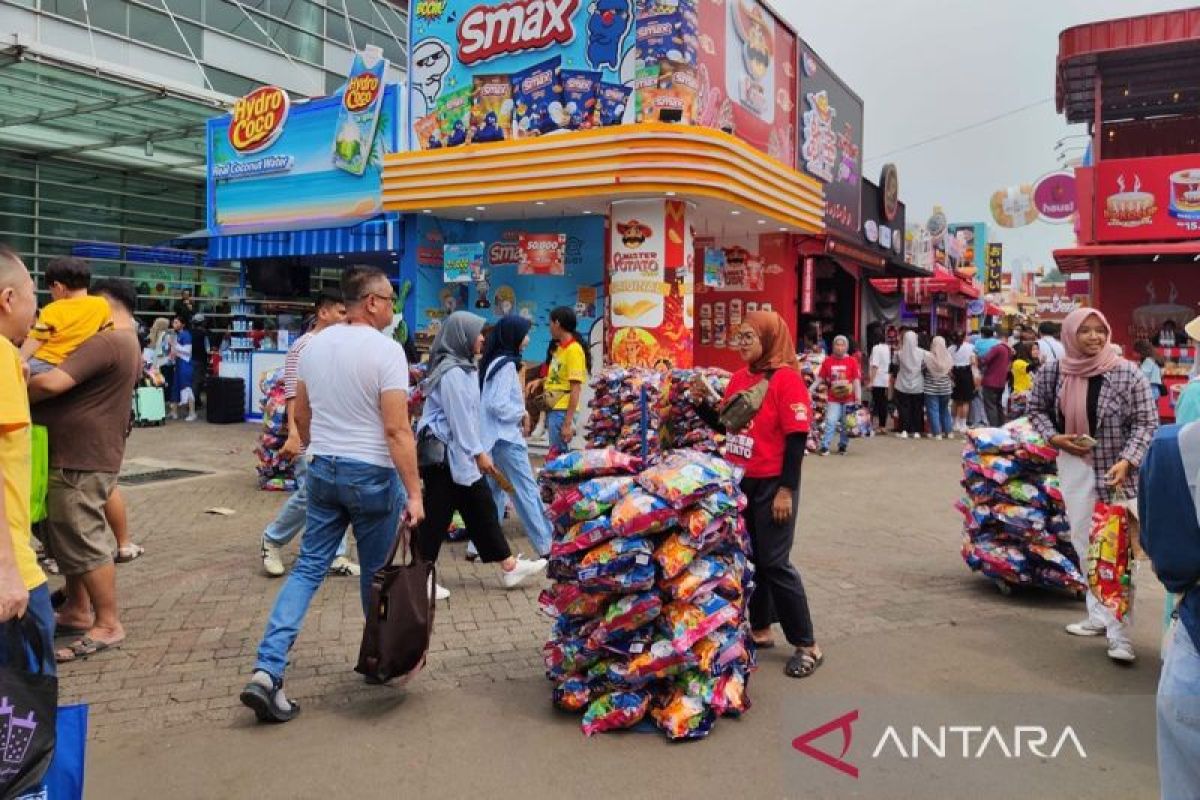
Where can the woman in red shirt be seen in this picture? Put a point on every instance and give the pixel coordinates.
(771, 449)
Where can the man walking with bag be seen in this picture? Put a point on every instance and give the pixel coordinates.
(352, 415)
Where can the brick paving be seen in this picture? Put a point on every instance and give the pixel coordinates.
(877, 545)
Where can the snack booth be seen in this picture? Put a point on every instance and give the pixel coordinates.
(636, 161)
(1133, 81)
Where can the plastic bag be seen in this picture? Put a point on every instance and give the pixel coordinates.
(626, 614)
(573, 694)
(689, 622)
(638, 579)
(674, 555)
(1110, 557)
(723, 648)
(639, 513)
(564, 657)
(582, 536)
(588, 500)
(584, 464)
(687, 713)
(618, 555)
(729, 694)
(682, 479)
(614, 711)
(570, 600)
(658, 661)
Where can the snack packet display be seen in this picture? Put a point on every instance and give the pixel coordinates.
(491, 108)
(537, 99)
(689, 622)
(1110, 558)
(583, 464)
(589, 499)
(614, 711)
(729, 694)
(683, 479)
(580, 90)
(454, 115)
(573, 694)
(627, 614)
(639, 578)
(570, 600)
(688, 711)
(640, 513)
(582, 536)
(674, 556)
(611, 101)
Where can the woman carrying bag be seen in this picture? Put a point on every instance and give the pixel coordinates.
(1099, 411)
(910, 387)
(766, 413)
(451, 455)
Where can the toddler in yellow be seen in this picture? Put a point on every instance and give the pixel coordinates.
(69, 320)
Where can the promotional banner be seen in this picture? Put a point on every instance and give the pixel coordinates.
(965, 249)
(878, 232)
(747, 75)
(831, 135)
(463, 263)
(541, 253)
(995, 267)
(714, 267)
(1054, 197)
(649, 285)
(271, 162)
(1013, 207)
(1148, 198)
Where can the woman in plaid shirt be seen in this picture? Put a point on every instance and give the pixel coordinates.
(1098, 409)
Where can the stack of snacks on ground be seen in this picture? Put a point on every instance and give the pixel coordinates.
(274, 472)
(625, 407)
(1015, 526)
(810, 365)
(683, 427)
(651, 582)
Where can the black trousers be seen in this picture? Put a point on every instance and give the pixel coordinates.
(993, 406)
(912, 412)
(778, 591)
(879, 406)
(442, 498)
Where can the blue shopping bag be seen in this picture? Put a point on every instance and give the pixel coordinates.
(64, 779)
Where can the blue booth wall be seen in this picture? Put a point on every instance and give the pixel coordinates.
(533, 296)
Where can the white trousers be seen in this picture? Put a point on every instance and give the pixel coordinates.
(1079, 495)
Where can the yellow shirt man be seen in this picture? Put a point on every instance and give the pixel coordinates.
(15, 461)
(65, 324)
(566, 366)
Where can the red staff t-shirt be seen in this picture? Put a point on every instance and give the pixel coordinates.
(759, 447)
(840, 372)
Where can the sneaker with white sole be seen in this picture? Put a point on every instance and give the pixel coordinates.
(903, 434)
(1085, 628)
(524, 569)
(272, 559)
(1122, 652)
(344, 567)
(916, 436)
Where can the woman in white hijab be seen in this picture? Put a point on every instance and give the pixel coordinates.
(910, 387)
(939, 384)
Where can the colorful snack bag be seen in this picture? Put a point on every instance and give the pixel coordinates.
(583, 464)
(632, 644)
(573, 694)
(537, 99)
(564, 657)
(689, 622)
(625, 615)
(723, 648)
(581, 536)
(637, 579)
(688, 713)
(729, 694)
(992, 441)
(1110, 557)
(659, 661)
(1070, 572)
(1019, 518)
(567, 599)
(674, 555)
(588, 500)
(641, 514)
(681, 480)
(698, 577)
(612, 99)
(453, 112)
(619, 554)
(491, 108)
(678, 87)
(563, 568)
(428, 130)
(579, 97)
(614, 711)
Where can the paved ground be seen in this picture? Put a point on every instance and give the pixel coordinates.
(895, 608)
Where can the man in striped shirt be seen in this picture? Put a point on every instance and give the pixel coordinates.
(330, 310)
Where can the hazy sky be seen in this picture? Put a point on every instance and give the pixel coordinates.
(924, 68)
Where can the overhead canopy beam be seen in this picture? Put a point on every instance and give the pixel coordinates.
(80, 109)
(166, 135)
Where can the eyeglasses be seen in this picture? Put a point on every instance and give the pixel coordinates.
(387, 298)
(744, 338)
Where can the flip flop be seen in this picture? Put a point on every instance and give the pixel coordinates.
(68, 630)
(84, 648)
(803, 664)
(129, 553)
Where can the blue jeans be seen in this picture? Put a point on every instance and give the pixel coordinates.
(512, 460)
(835, 414)
(937, 408)
(341, 492)
(291, 518)
(42, 614)
(554, 423)
(1179, 717)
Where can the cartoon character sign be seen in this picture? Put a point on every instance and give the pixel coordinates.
(491, 131)
(633, 233)
(431, 60)
(606, 30)
(751, 47)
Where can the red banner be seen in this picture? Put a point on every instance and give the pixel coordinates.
(808, 291)
(1148, 199)
(541, 253)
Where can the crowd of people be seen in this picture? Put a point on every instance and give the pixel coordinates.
(361, 460)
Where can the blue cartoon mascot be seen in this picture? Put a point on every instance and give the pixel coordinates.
(490, 131)
(606, 30)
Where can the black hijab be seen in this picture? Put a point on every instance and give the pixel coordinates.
(503, 344)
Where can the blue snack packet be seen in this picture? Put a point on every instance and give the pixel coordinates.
(537, 99)
(579, 98)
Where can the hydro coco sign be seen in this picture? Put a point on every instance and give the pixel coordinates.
(258, 119)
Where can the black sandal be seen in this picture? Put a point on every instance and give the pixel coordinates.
(802, 664)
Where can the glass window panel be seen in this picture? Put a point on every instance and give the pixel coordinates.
(155, 28)
(110, 17)
(71, 9)
(335, 23)
(228, 83)
(226, 17)
(189, 9)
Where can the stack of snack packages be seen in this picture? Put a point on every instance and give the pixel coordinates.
(810, 365)
(666, 80)
(1015, 526)
(651, 582)
(275, 473)
(624, 400)
(683, 427)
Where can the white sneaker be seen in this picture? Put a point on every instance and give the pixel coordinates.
(440, 592)
(521, 571)
(1123, 652)
(916, 436)
(345, 567)
(190, 418)
(1085, 628)
(903, 434)
(271, 558)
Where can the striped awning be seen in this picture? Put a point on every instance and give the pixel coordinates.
(379, 234)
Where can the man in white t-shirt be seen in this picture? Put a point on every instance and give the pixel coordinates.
(1049, 347)
(881, 375)
(352, 415)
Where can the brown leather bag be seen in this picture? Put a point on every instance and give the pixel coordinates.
(400, 617)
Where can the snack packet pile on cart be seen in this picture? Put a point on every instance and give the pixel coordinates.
(275, 473)
(1014, 522)
(651, 582)
(810, 364)
(625, 402)
(683, 427)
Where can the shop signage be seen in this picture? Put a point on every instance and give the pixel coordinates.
(975, 308)
(966, 249)
(541, 253)
(831, 140)
(878, 231)
(489, 31)
(463, 263)
(744, 271)
(1054, 196)
(808, 287)
(995, 267)
(1013, 207)
(714, 267)
(889, 194)
(272, 163)
(1148, 198)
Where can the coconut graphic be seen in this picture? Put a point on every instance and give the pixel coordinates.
(347, 144)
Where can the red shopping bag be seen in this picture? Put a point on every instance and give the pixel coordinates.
(1110, 558)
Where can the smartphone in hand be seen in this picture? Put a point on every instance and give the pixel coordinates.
(1083, 440)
